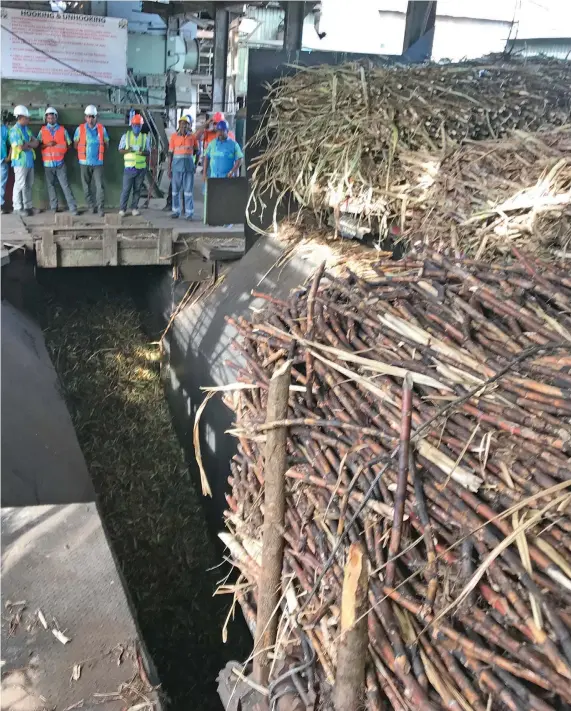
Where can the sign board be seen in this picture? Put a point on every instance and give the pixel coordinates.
(63, 47)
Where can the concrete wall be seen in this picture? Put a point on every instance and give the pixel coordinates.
(200, 344)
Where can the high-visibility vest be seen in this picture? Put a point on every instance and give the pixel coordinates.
(182, 145)
(57, 152)
(207, 137)
(82, 145)
(16, 150)
(136, 160)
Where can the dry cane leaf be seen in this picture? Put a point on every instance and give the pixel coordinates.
(61, 637)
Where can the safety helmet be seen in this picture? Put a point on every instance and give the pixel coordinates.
(218, 116)
(50, 110)
(21, 111)
(90, 110)
(221, 126)
(137, 120)
(185, 118)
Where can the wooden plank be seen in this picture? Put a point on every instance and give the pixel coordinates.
(63, 219)
(165, 246)
(81, 244)
(109, 247)
(113, 219)
(48, 250)
(224, 251)
(78, 227)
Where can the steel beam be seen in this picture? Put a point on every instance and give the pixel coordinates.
(420, 21)
(293, 30)
(221, 26)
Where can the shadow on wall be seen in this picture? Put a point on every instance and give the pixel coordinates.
(200, 346)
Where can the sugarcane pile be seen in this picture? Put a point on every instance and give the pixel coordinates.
(487, 196)
(341, 138)
(428, 425)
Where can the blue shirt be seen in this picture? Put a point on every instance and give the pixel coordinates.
(221, 157)
(92, 147)
(4, 141)
(18, 136)
(52, 130)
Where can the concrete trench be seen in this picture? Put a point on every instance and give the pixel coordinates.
(162, 531)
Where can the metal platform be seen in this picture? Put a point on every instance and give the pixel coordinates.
(153, 238)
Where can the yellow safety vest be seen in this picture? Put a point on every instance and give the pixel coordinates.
(136, 160)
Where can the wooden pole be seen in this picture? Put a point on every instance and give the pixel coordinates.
(349, 688)
(269, 584)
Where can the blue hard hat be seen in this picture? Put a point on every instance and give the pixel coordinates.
(221, 126)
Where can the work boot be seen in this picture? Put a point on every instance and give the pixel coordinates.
(101, 212)
(174, 216)
(5, 210)
(94, 210)
(122, 213)
(135, 212)
(29, 212)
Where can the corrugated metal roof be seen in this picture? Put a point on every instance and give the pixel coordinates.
(558, 48)
(269, 19)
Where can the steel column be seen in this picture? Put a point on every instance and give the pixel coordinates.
(420, 21)
(221, 26)
(293, 30)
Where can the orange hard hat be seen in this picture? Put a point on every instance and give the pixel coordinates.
(218, 116)
(137, 120)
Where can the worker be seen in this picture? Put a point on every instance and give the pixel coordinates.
(182, 147)
(136, 147)
(5, 162)
(208, 132)
(54, 140)
(22, 155)
(91, 140)
(223, 156)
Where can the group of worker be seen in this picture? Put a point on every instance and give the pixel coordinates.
(222, 158)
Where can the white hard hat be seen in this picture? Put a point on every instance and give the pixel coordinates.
(50, 110)
(90, 110)
(21, 111)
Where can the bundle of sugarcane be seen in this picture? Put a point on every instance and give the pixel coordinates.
(332, 136)
(428, 448)
(487, 196)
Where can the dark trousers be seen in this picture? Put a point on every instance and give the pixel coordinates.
(53, 177)
(132, 181)
(93, 174)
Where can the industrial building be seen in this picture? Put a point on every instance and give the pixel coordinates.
(308, 448)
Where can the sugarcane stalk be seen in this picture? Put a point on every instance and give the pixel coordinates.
(269, 585)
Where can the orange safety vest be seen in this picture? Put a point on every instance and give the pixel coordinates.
(209, 136)
(182, 145)
(82, 145)
(57, 152)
